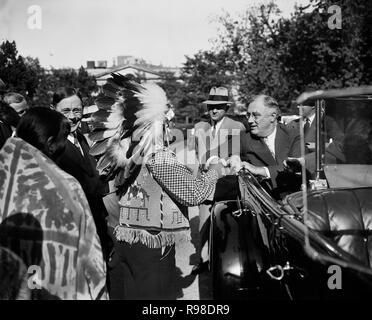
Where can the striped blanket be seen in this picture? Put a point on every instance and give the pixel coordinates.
(46, 220)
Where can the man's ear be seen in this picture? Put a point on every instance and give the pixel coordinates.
(51, 146)
(274, 116)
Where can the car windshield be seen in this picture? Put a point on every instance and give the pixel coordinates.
(341, 143)
(337, 171)
(348, 123)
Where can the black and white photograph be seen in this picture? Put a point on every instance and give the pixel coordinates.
(194, 156)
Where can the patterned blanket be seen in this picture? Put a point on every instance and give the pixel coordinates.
(46, 220)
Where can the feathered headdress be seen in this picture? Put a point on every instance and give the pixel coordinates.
(127, 127)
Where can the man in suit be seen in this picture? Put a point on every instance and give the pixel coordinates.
(77, 161)
(332, 130)
(217, 138)
(268, 144)
(332, 137)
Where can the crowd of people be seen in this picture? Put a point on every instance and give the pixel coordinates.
(64, 220)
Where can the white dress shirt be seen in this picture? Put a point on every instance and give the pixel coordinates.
(270, 142)
(311, 119)
(215, 129)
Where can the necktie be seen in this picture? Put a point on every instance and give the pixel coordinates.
(307, 125)
(214, 130)
(76, 142)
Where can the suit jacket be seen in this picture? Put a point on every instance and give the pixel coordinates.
(332, 130)
(287, 144)
(225, 143)
(83, 168)
(333, 153)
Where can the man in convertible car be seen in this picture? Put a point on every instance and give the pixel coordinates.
(267, 145)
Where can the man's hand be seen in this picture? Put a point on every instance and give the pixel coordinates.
(220, 165)
(293, 164)
(254, 169)
(234, 163)
(310, 146)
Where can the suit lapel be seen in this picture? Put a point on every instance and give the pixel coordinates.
(86, 158)
(262, 151)
(281, 145)
(310, 134)
(74, 156)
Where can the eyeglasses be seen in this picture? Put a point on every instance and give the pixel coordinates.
(76, 111)
(257, 116)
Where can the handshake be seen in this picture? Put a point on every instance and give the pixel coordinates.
(234, 164)
(224, 167)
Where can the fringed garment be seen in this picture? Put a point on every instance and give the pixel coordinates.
(149, 216)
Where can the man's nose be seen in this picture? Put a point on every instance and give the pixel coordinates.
(70, 115)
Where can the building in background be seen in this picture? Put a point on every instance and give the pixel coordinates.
(138, 67)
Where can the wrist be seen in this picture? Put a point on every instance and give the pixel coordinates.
(219, 168)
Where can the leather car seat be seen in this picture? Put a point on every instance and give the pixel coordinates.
(345, 215)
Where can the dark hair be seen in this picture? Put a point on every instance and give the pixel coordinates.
(39, 124)
(8, 115)
(64, 92)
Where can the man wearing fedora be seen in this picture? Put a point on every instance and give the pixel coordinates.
(217, 138)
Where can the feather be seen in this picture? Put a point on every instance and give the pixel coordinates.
(99, 147)
(128, 126)
(113, 115)
(110, 91)
(104, 102)
(155, 104)
(104, 125)
(104, 165)
(108, 118)
(100, 135)
(118, 149)
(115, 85)
(125, 82)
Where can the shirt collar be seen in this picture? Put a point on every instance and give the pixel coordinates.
(218, 124)
(311, 118)
(272, 135)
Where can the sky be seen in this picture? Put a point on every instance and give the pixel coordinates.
(70, 32)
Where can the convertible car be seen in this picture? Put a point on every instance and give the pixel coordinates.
(315, 243)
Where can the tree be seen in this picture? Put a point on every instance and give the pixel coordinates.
(68, 77)
(201, 72)
(18, 73)
(25, 76)
(262, 52)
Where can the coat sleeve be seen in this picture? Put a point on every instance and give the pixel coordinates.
(178, 180)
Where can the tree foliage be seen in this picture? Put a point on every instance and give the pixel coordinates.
(67, 77)
(263, 52)
(25, 76)
(18, 73)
